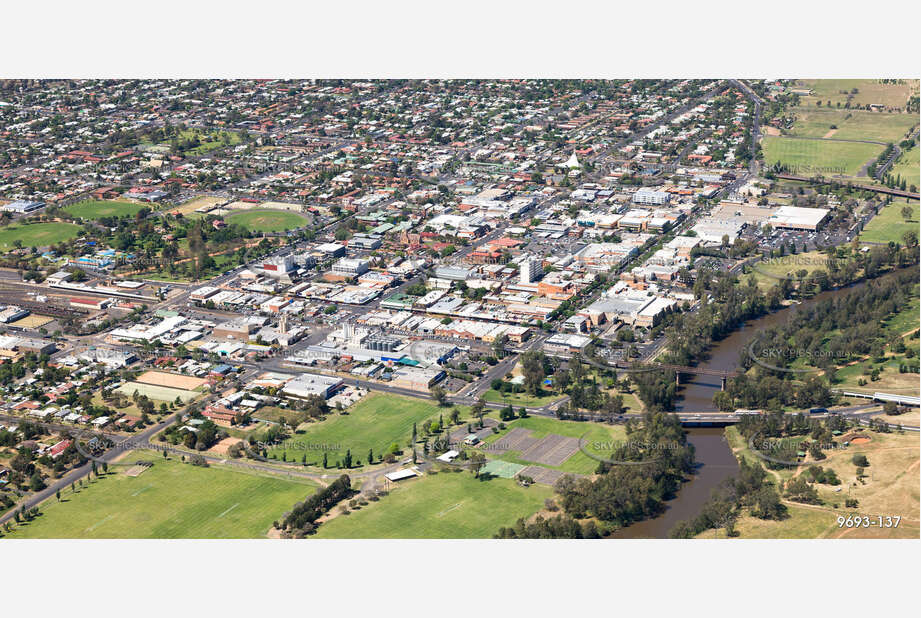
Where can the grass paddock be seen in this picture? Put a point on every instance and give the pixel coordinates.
(267, 220)
(38, 234)
(97, 209)
(449, 505)
(169, 500)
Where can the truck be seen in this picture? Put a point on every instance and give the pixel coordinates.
(818, 410)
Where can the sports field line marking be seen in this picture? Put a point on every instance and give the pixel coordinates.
(143, 489)
(449, 509)
(230, 509)
(99, 523)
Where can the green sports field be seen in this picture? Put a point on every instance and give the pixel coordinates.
(448, 505)
(267, 220)
(375, 422)
(169, 500)
(97, 209)
(826, 157)
(889, 225)
(37, 234)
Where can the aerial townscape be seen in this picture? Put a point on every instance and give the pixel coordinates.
(458, 308)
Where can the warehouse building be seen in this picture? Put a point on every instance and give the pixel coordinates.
(349, 267)
(416, 379)
(794, 218)
(563, 343)
(23, 206)
(308, 384)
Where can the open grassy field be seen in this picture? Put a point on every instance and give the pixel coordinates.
(869, 91)
(37, 234)
(97, 209)
(908, 168)
(520, 399)
(826, 157)
(449, 505)
(159, 393)
(891, 488)
(890, 380)
(170, 500)
(267, 220)
(768, 272)
(889, 225)
(375, 422)
(597, 438)
(852, 124)
(912, 418)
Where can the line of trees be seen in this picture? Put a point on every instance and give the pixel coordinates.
(302, 519)
(559, 527)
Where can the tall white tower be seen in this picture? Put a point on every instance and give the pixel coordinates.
(530, 269)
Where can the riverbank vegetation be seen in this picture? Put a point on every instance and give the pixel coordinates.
(815, 493)
(726, 303)
(795, 364)
(773, 449)
(631, 486)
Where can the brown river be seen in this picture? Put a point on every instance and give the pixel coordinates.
(715, 461)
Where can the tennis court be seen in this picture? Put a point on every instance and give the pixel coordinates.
(502, 469)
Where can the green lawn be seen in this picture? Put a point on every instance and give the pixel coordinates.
(597, 438)
(170, 500)
(889, 225)
(267, 220)
(826, 157)
(906, 319)
(449, 505)
(37, 234)
(768, 272)
(375, 422)
(907, 168)
(97, 209)
(520, 399)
